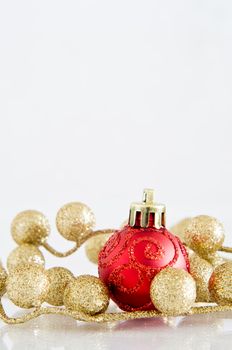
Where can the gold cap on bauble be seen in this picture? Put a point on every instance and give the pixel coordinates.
(147, 213)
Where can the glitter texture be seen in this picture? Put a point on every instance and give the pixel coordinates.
(136, 260)
(58, 277)
(105, 317)
(27, 286)
(94, 245)
(74, 220)
(30, 226)
(201, 271)
(25, 254)
(204, 234)
(179, 228)
(87, 294)
(215, 259)
(3, 277)
(220, 284)
(132, 257)
(173, 291)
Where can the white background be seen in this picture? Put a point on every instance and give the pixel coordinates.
(99, 99)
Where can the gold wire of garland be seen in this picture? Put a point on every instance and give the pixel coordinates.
(226, 249)
(78, 243)
(105, 317)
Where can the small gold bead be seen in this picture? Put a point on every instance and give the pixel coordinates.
(173, 291)
(31, 227)
(94, 245)
(27, 286)
(73, 220)
(201, 271)
(23, 255)
(58, 277)
(179, 228)
(204, 234)
(3, 278)
(220, 284)
(86, 294)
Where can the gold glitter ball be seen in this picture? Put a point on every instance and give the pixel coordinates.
(201, 271)
(87, 294)
(27, 286)
(179, 228)
(23, 255)
(220, 284)
(3, 277)
(31, 227)
(204, 234)
(58, 277)
(73, 220)
(173, 291)
(94, 245)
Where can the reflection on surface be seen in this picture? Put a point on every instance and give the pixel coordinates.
(199, 332)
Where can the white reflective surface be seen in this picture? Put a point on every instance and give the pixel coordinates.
(201, 332)
(99, 99)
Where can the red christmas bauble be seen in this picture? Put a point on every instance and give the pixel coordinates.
(132, 257)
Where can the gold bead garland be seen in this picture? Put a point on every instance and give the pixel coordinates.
(215, 259)
(27, 286)
(3, 278)
(94, 245)
(86, 298)
(201, 271)
(86, 294)
(23, 255)
(74, 220)
(204, 234)
(58, 277)
(220, 284)
(179, 228)
(30, 226)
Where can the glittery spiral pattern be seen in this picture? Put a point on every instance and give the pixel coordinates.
(132, 257)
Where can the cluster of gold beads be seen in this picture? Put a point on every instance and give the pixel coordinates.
(204, 237)
(29, 284)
